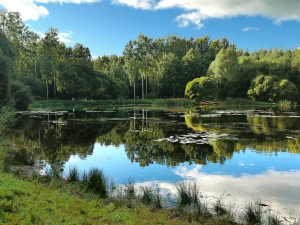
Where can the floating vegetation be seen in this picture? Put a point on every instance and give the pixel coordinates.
(194, 138)
(42, 113)
(93, 111)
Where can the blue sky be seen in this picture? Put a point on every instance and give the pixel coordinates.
(105, 26)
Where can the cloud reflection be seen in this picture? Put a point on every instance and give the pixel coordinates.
(280, 189)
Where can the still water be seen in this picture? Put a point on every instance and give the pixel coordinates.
(239, 153)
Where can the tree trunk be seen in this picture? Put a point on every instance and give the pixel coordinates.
(47, 89)
(35, 70)
(146, 87)
(146, 81)
(142, 87)
(54, 89)
(133, 89)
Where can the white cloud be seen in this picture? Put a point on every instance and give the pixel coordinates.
(138, 4)
(199, 10)
(196, 11)
(63, 37)
(250, 28)
(29, 9)
(283, 193)
(188, 18)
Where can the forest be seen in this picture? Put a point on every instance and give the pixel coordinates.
(36, 68)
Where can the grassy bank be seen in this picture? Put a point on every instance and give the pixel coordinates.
(174, 102)
(90, 198)
(27, 199)
(244, 102)
(70, 104)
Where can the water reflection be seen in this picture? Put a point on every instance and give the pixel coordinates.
(242, 152)
(158, 137)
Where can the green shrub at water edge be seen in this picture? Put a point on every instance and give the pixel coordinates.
(96, 182)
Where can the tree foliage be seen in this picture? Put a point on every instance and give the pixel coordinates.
(203, 88)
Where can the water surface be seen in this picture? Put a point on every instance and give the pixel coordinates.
(242, 153)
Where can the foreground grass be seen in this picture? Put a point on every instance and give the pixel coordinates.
(84, 198)
(38, 200)
(22, 202)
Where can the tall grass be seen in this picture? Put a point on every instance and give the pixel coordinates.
(96, 182)
(129, 188)
(150, 198)
(73, 174)
(244, 102)
(70, 104)
(253, 213)
(284, 103)
(174, 102)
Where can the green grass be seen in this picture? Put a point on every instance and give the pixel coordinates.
(84, 198)
(29, 200)
(174, 102)
(69, 104)
(244, 102)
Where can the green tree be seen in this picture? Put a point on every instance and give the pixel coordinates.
(283, 90)
(6, 64)
(167, 76)
(224, 70)
(202, 88)
(261, 87)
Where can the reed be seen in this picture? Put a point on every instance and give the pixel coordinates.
(244, 102)
(253, 213)
(96, 182)
(148, 197)
(73, 174)
(129, 188)
(174, 102)
(284, 103)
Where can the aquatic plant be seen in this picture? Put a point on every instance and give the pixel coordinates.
(187, 193)
(148, 197)
(129, 188)
(96, 182)
(284, 103)
(253, 213)
(73, 174)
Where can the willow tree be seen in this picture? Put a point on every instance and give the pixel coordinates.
(203, 88)
(224, 69)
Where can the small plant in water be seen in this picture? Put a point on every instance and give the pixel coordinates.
(253, 213)
(130, 188)
(148, 197)
(219, 207)
(96, 182)
(273, 219)
(187, 193)
(73, 174)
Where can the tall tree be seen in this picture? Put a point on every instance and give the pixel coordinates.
(224, 70)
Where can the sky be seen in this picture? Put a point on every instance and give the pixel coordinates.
(105, 26)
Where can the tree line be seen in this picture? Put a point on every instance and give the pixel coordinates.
(34, 67)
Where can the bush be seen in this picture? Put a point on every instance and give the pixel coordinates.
(202, 88)
(21, 94)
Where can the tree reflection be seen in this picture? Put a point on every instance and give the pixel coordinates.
(147, 140)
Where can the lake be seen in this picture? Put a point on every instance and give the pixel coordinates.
(239, 153)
